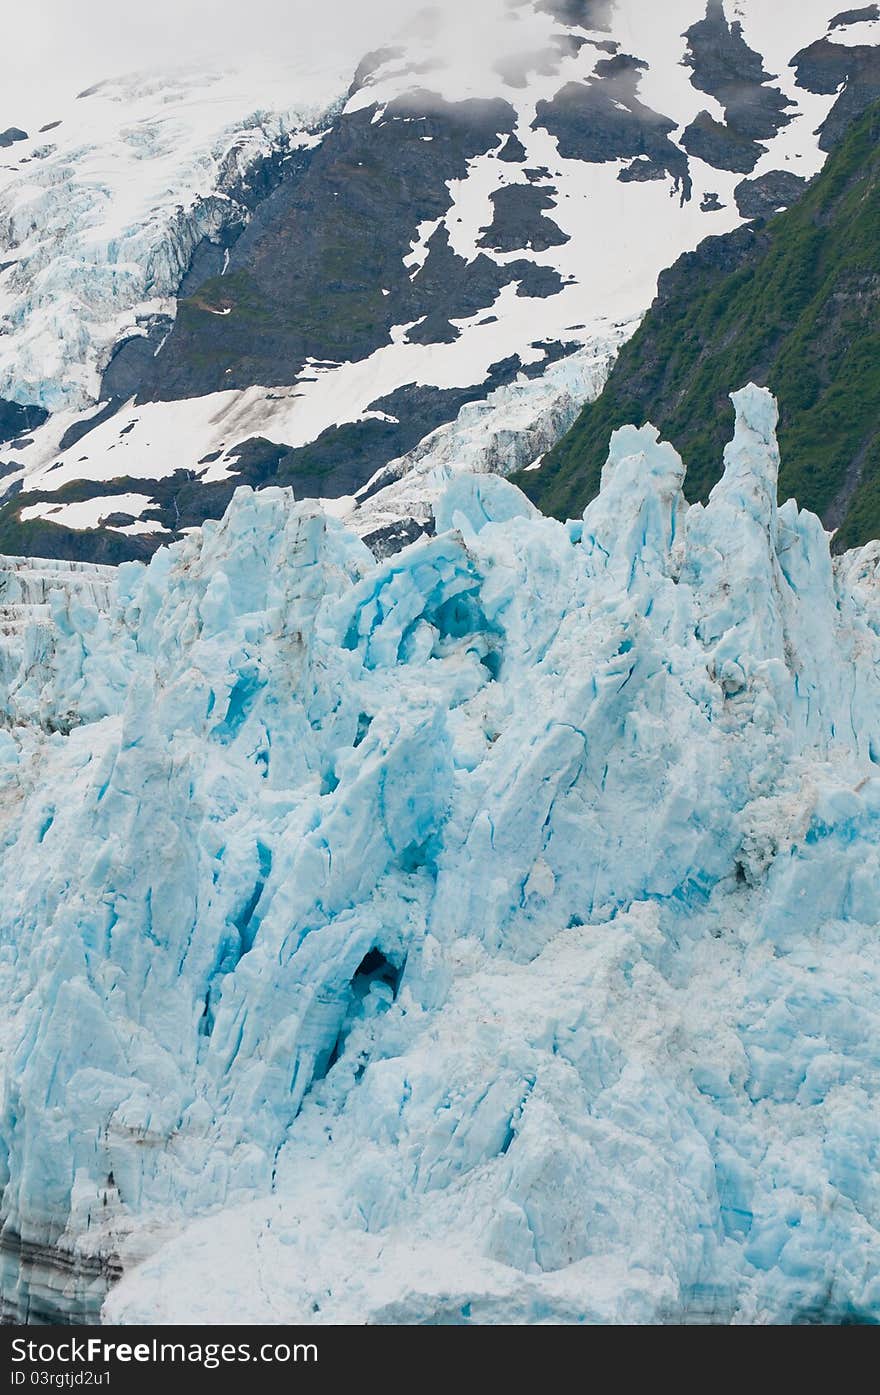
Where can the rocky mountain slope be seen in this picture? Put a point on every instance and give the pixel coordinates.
(269, 278)
(793, 303)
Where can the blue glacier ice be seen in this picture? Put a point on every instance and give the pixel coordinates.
(485, 934)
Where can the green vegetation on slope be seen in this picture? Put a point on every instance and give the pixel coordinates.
(793, 305)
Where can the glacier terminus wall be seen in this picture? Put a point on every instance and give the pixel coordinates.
(484, 934)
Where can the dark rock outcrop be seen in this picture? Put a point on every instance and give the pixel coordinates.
(766, 195)
(130, 366)
(17, 419)
(512, 150)
(720, 145)
(868, 12)
(81, 428)
(642, 169)
(723, 65)
(519, 222)
(395, 536)
(853, 71)
(603, 119)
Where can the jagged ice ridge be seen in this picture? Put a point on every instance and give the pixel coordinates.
(486, 934)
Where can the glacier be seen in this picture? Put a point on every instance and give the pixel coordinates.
(485, 934)
(511, 429)
(99, 229)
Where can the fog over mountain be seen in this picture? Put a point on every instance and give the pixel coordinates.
(61, 48)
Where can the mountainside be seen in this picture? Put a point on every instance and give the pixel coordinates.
(489, 932)
(209, 279)
(793, 303)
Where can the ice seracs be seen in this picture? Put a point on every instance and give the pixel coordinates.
(99, 224)
(490, 932)
(509, 430)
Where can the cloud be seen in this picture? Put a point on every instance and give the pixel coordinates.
(58, 47)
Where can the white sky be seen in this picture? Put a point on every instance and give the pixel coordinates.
(55, 48)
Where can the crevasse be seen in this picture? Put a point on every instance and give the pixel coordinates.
(489, 933)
